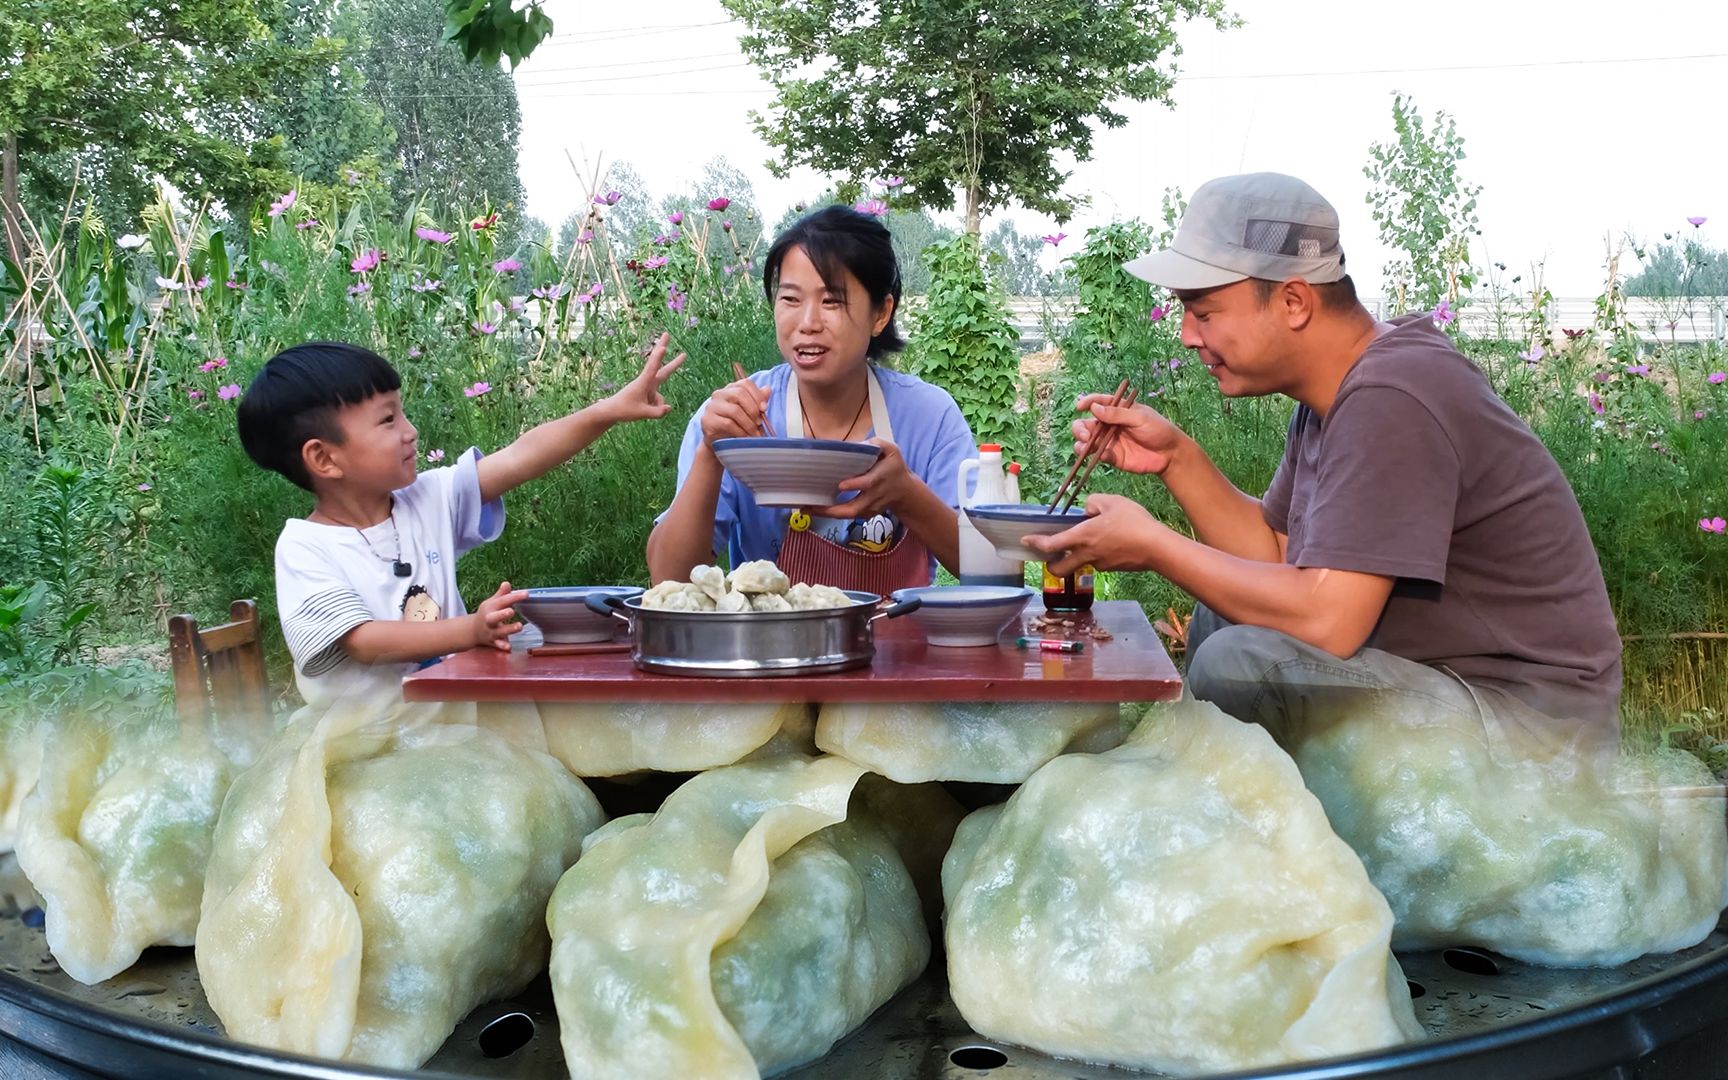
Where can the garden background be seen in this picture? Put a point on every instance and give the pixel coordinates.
(150, 275)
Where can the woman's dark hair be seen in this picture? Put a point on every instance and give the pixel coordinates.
(837, 238)
(295, 397)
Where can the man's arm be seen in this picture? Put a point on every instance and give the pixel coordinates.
(1335, 610)
(1224, 516)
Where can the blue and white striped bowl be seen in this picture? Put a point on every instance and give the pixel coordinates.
(794, 472)
(965, 614)
(563, 616)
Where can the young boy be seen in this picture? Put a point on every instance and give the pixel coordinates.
(366, 584)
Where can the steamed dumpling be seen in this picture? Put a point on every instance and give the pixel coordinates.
(733, 601)
(677, 596)
(804, 597)
(769, 602)
(711, 580)
(761, 576)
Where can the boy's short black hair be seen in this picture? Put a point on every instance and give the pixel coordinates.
(295, 397)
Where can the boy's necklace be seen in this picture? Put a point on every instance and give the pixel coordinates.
(397, 566)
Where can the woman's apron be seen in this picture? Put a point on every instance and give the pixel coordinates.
(810, 557)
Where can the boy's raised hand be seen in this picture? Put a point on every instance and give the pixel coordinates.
(640, 399)
(495, 619)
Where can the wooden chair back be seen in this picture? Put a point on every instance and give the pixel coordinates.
(219, 672)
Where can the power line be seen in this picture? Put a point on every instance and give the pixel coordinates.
(629, 63)
(1453, 67)
(643, 75)
(630, 32)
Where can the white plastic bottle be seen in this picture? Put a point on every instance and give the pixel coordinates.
(979, 563)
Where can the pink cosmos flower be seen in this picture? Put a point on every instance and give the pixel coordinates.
(363, 287)
(366, 261)
(476, 390)
(1596, 403)
(609, 199)
(1713, 524)
(1699, 415)
(656, 262)
(194, 394)
(586, 236)
(435, 455)
(1695, 222)
(480, 224)
(1638, 369)
(143, 487)
(286, 201)
(213, 364)
(1602, 376)
(1055, 238)
(1157, 313)
(1443, 315)
(726, 226)
(668, 239)
(720, 203)
(309, 223)
(550, 292)
(1717, 377)
(229, 392)
(414, 352)
(485, 327)
(582, 298)
(676, 217)
(239, 286)
(428, 285)
(1533, 355)
(506, 266)
(516, 303)
(873, 207)
(351, 176)
(202, 283)
(596, 289)
(675, 300)
(433, 235)
(1175, 362)
(893, 181)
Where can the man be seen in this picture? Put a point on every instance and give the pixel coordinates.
(1417, 538)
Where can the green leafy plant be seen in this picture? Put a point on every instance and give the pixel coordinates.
(963, 341)
(1424, 209)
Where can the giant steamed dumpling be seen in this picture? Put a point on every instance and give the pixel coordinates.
(116, 833)
(1179, 903)
(760, 576)
(759, 916)
(1497, 838)
(711, 580)
(20, 759)
(989, 742)
(373, 879)
(613, 738)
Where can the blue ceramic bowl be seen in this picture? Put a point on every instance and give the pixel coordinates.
(563, 616)
(794, 472)
(1003, 524)
(965, 615)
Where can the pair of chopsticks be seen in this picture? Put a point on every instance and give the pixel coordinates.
(740, 374)
(1104, 436)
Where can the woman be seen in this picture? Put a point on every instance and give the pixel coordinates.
(833, 284)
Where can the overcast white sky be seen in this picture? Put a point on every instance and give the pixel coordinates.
(1581, 120)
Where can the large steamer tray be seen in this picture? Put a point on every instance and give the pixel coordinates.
(1488, 1018)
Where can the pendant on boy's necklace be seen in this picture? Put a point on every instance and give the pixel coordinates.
(402, 569)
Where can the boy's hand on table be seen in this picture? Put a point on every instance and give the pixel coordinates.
(640, 399)
(495, 619)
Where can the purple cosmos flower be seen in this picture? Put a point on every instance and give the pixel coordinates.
(435, 455)
(282, 204)
(476, 390)
(517, 304)
(213, 364)
(728, 269)
(433, 235)
(720, 203)
(596, 289)
(1638, 369)
(550, 292)
(1596, 403)
(309, 223)
(1602, 376)
(1717, 377)
(656, 262)
(426, 285)
(143, 487)
(893, 181)
(1055, 238)
(229, 392)
(609, 199)
(506, 266)
(413, 352)
(202, 283)
(194, 394)
(668, 239)
(1175, 362)
(725, 226)
(351, 176)
(1443, 315)
(1157, 313)
(363, 287)
(582, 298)
(484, 327)
(691, 321)
(586, 236)
(873, 207)
(367, 260)
(239, 286)
(1533, 355)
(1713, 524)
(675, 300)
(1695, 222)
(676, 217)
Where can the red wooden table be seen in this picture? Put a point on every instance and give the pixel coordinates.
(1130, 666)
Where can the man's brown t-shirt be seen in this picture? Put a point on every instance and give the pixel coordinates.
(1421, 473)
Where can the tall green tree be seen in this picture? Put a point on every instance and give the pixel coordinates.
(971, 96)
(129, 90)
(456, 123)
(330, 127)
(1425, 209)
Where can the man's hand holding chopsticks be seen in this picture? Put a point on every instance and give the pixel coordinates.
(1117, 534)
(1147, 440)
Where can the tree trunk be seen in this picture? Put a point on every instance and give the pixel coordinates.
(972, 208)
(9, 206)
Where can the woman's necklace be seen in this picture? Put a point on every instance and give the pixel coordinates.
(848, 434)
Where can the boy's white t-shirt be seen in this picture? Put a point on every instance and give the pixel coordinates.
(332, 578)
